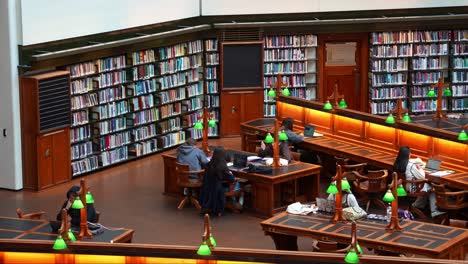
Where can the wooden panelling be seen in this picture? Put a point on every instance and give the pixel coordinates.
(61, 155)
(294, 112)
(44, 161)
(238, 107)
(321, 120)
(419, 144)
(348, 127)
(450, 151)
(380, 135)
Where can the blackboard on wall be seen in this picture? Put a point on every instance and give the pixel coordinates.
(242, 65)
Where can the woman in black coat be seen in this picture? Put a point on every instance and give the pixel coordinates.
(212, 191)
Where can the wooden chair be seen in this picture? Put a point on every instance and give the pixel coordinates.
(346, 167)
(371, 186)
(36, 215)
(183, 181)
(452, 202)
(413, 191)
(328, 246)
(233, 193)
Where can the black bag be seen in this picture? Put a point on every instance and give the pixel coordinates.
(259, 169)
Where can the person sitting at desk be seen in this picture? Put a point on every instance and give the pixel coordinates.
(296, 139)
(217, 173)
(348, 199)
(189, 154)
(414, 171)
(266, 150)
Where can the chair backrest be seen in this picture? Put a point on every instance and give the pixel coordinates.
(36, 215)
(447, 200)
(183, 180)
(413, 187)
(376, 181)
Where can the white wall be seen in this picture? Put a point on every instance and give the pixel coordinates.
(49, 20)
(10, 146)
(229, 7)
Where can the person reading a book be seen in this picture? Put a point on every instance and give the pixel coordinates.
(414, 170)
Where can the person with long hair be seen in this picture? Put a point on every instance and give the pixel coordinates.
(413, 170)
(217, 174)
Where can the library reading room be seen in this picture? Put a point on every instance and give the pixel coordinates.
(216, 131)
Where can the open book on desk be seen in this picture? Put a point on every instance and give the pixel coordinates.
(441, 173)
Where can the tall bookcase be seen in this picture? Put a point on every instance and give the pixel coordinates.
(389, 60)
(295, 58)
(460, 71)
(141, 102)
(405, 64)
(430, 62)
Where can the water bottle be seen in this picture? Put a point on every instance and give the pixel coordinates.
(389, 213)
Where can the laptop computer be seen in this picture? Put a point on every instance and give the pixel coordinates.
(432, 165)
(309, 130)
(239, 162)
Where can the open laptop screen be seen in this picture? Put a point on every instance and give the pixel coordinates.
(433, 164)
(309, 130)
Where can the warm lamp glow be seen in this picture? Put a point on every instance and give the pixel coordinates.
(327, 106)
(388, 197)
(390, 119)
(406, 118)
(286, 92)
(462, 136)
(332, 189)
(269, 139)
(59, 244)
(77, 204)
(204, 250)
(271, 93)
(343, 104)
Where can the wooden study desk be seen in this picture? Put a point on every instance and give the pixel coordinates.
(267, 188)
(16, 228)
(434, 241)
(354, 150)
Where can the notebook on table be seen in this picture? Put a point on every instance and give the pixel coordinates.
(432, 165)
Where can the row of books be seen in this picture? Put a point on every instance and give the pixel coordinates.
(84, 165)
(143, 102)
(192, 104)
(460, 90)
(180, 49)
(288, 81)
(212, 59)
(390, 65)
(269, 110)
(173, 139)
(399, 78)
(83, 85)
(410, 37)
(460, 35)
(178, 79)
(427, 105)
(458, 76)
(393, 51)
(82, 150)
(384, 107)
(213, 101)
(212, 87)
(426, 77)
(112, 125)
(114, 140)
(80, 133)
(112, 109)
(114, 156)
(460, 49)
(388, 93)
(195, 89)
(112, 94)
(460, 104)
(195, 133)
(80, 118)
(211, 73)
(172, 95)
(143, 56)
(211, 45)
(145, 132)
(145, 147)
(170, 125)
(421, 91)
(98, 66)
(431, 49)
(112, 78)
(460, 63)
(144, 87)
(290, 41)
(284, 54)
(171, 110)
(143, 72)
(83, 101)
(146, 116)
(180, 64)
(285, 67)
(430, 63)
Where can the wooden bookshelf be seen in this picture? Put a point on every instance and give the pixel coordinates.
(460, 71)
(295, 58)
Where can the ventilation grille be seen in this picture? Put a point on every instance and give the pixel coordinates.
(242, 34)
(54, 103)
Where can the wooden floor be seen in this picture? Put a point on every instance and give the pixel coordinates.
(130, 195)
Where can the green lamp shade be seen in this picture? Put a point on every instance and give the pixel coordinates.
(431, 93)
(447, 92)
(89, 198)
(343, 104)
(345, 184)
(283, 136)
(212, 123)
(213, 241)
(406, 118)
(77, 204)
(400, 190)
(390, 119)
(358, 248)
(71, 236)
(352, 257)
(204, 250)
(271, 93)
(269, 138)
(286, 92)
(388, 197)
(462, 135)
(59, 243)
(332, 189)
(327, 106)
(198, 125)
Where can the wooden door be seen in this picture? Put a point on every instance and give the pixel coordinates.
(44, 161)
(344, 62)
(61, 156)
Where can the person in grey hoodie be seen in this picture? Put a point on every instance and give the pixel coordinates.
(189, 154)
